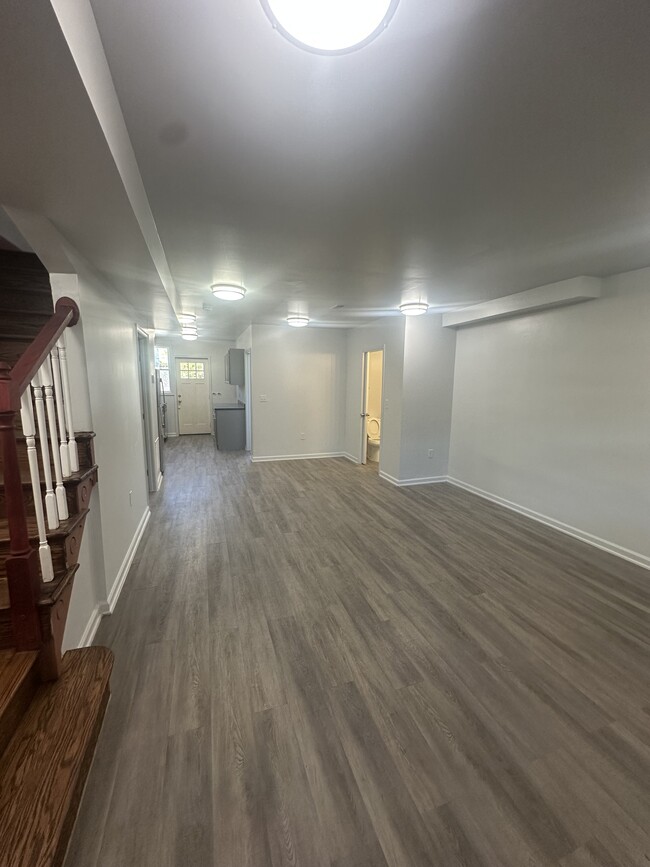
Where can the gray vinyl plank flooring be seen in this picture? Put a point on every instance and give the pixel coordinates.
(316, 668)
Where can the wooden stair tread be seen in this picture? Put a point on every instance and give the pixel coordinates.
(72, 479)
(64, 528)
(44, 767)
(14, 667)
(18, 680)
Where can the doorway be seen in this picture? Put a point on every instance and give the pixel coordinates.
(193, 395)
(150, 441)
(372, 403)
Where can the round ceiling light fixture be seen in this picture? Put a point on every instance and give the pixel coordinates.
(189, 332)
(187, 318)
(414, 308)
(330, 26)
(297, 320)
(228, 291)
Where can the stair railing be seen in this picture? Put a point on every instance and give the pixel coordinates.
(41, 368)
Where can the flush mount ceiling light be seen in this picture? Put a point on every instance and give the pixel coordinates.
(330, 26)
(297, 321)
(414, 308)
(228, 291)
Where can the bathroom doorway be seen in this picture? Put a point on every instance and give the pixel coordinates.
(372, 403)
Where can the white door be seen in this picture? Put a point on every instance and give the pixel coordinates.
(193, 395)
(364, 408)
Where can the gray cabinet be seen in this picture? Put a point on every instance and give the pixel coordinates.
(230, 427)
(234, 366)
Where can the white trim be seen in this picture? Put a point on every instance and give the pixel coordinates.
(567, 529)
(159, 481)
(116, 589)
(169, 435)
(257, 460)
(88, 635)
(409, 483)
(349, 457)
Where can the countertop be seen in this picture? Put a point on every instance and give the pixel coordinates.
(229, 406)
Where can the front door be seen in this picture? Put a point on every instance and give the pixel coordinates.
(193, 394)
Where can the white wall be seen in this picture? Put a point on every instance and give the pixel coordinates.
(214, 350)
(427, 394)
(389, 336)
(301, 371)
(551, 412)
(104, 379)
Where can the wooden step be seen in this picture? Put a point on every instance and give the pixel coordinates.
(44, 767)
(85, 451)
(18, 683)
(12, 348)
(64, 541)
(21, 274)
(78, 488)
(53, 605)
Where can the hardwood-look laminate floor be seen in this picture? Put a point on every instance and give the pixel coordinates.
(315, 668)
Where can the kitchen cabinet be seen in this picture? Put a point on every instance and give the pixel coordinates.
(234, 366)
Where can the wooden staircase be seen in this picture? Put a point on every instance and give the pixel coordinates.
(51, 703)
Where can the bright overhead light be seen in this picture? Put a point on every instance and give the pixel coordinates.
(228, 291)
(189, 332)
(187, 318)
(297, 321)
(330, 26)
(414, 308)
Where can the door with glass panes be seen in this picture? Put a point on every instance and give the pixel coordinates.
(193, 395)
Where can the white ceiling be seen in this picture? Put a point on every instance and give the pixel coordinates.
(477, 148)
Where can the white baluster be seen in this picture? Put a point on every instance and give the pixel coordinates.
(58, 397)
(67, 405)
(50, 499)
(27, 419)
(46, 379)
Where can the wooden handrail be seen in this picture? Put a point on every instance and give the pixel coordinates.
(14, 382)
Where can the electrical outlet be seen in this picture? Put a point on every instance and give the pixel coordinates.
(302, 436)
(263, 398)
(430, 453)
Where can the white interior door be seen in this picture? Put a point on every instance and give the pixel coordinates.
(193, 395)
(364, 408)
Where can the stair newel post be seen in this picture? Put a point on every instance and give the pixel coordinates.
(22, 563)
(29, 431)
(48, 386)
(50, 498)
(67, 405)
(58, 397)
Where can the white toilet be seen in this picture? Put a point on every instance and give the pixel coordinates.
(373, 431)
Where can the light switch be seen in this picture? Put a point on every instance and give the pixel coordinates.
(263, 398)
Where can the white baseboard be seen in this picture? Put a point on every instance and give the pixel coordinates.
(95, 619)
(159, 481)
(567, 529)
(350, 458)
(408, 483)
(263, 458)
(116, 589)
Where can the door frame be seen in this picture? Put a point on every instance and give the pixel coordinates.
(365, 365)
(208, 367)
(142, 346)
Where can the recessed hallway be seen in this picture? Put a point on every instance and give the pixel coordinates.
(315, 668)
